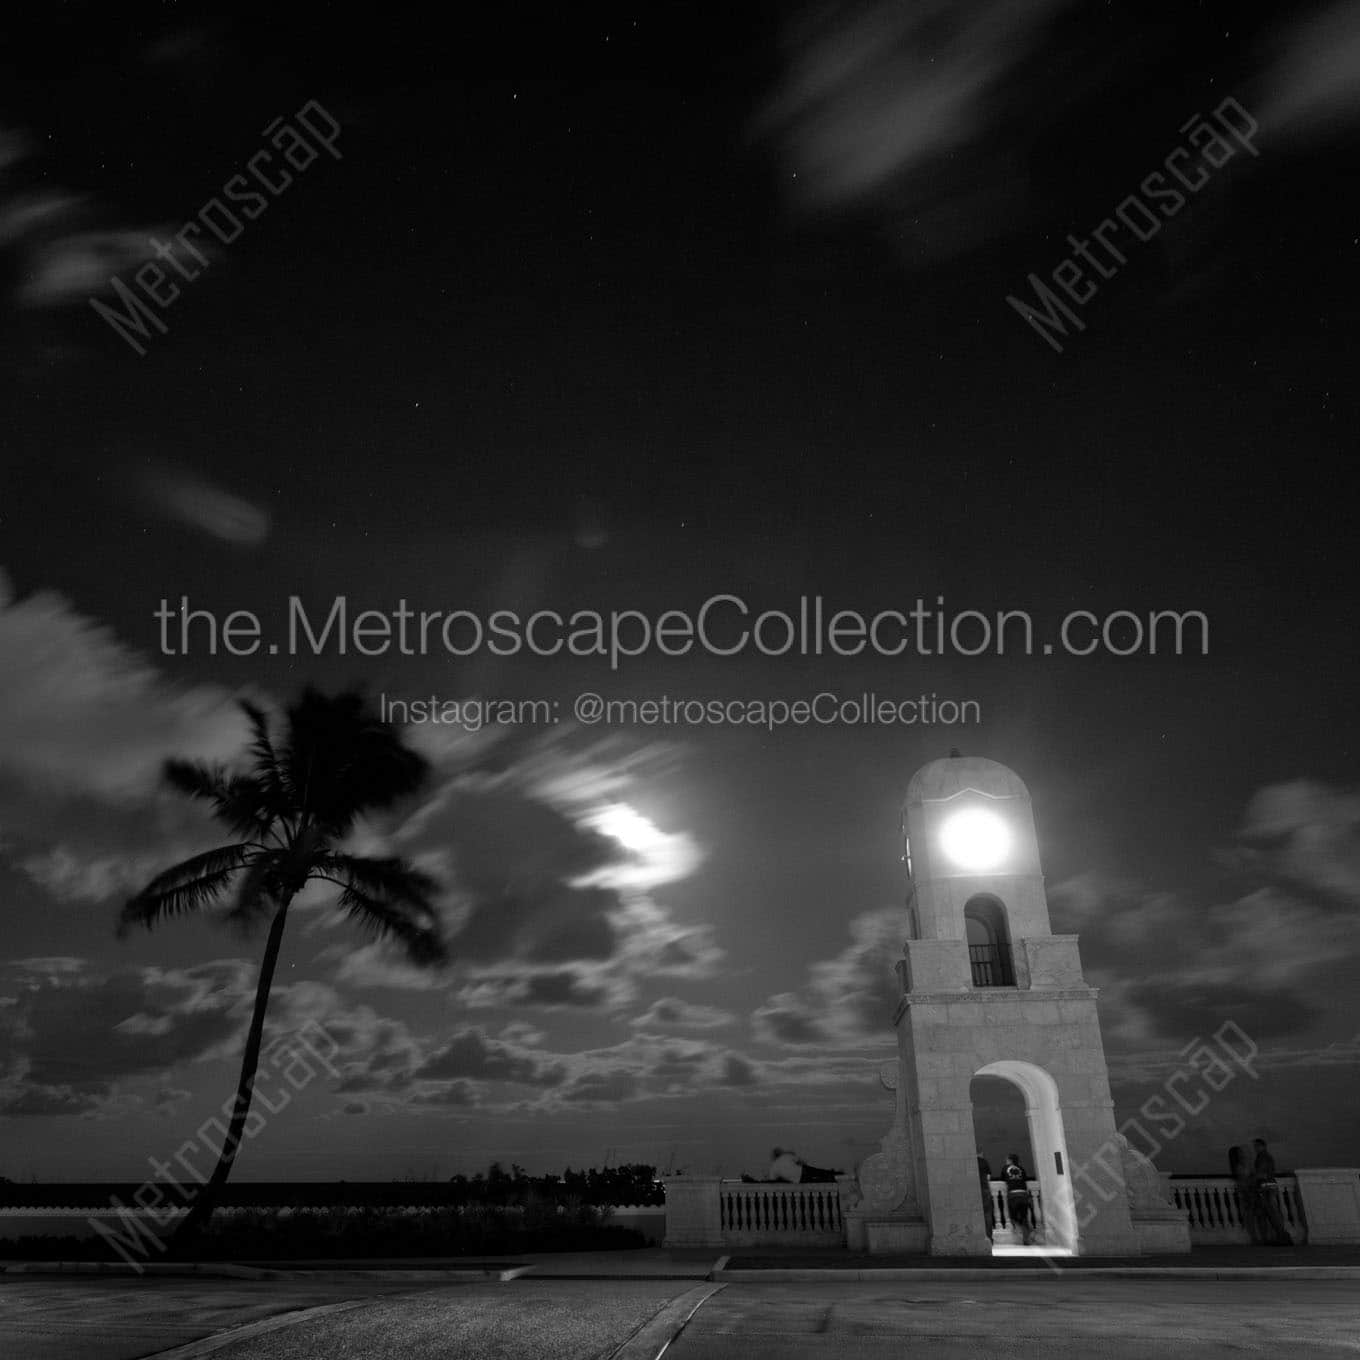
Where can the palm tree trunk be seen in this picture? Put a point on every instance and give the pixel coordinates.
(200, 1210)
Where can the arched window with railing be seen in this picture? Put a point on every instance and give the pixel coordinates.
(989, 942)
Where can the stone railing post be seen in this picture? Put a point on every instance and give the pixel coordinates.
(693, 1212)
(1330, 1196)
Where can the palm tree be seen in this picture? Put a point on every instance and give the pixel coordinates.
(291, 810)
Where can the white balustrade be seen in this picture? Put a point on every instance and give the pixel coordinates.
(1006, 1233)
(1214, 1208)
(753, 1214)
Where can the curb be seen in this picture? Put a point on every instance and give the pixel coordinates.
(218, 1340)
(693, 1276)
(225, 1270)
(653, 1338)
(210, 1270)
(809, 1274)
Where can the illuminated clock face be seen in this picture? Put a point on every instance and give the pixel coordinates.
(975, 839)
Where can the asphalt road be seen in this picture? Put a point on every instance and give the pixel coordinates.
(45, 1317)
(1109, 1319)
(49, 1318)
(544, 1319)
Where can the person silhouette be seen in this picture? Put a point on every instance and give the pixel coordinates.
(1248, 1201)
(1018, 1205)
(985, 1185)
(1268, 1192)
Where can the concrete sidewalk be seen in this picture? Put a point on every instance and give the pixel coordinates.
(1207, 1263)
(650, 1263)
(658, 1263)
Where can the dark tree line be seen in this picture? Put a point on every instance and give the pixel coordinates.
(631, 1183)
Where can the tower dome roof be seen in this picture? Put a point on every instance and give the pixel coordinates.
(953, 775)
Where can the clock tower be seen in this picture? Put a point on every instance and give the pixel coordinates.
(987, 989)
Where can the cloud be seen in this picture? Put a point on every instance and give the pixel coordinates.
(377, 965)
(551, 877)
(564, 988)
(848, 997)
(603, 1088)
(738, 1071)
(1305, 833)
(1273, 958)
(469, 1053)
(75, 1035)
(877, 91)
(908, 107)
(928, 117)
(86, 725)
(72, 266)
(170, 1099)
(191, 500)
(456, 1094)
(671, 1012)
(62, 255)
(1312, 80)
(788, 1019)
(82, 713)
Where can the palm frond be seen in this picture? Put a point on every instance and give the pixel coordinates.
(245, 804)
(194, 883)
(392, 880)
(195, 778)
(258, 891)
(341, 759)
(424, 944)
(269, 768)
(391, 900)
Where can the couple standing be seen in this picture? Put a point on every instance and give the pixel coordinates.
(1258, 1195)
(1019, 1206)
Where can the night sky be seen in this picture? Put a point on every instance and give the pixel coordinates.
(622, 311)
